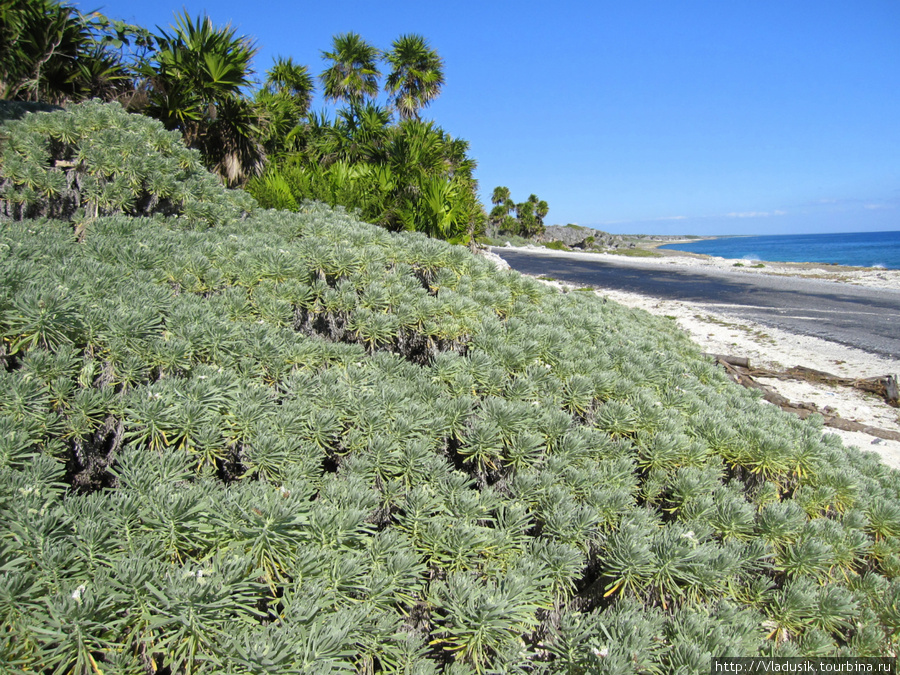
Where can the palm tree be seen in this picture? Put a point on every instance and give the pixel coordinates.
(52, 53)
(501, 196)
(416, 77)
(195, 68)
(499, 217)
(541, 210)
(353, 73)
(526, 218)
(537, 212)
(290, 79)
(283, 100)
(196, 80)
(363, 131)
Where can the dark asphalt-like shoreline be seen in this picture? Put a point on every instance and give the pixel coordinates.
(865, 318)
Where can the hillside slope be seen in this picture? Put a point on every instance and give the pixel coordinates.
(297, 443)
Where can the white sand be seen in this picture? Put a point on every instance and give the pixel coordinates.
(720, 333)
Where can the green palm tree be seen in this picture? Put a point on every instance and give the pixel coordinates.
(501, 197)
(527, 220)
(500, 218)
(416, 77)
(363, 132)
(51, 52)
(282, 102)
(196, 80)
(541, 209)
(531, 215)
(292, 79)
(353, 73)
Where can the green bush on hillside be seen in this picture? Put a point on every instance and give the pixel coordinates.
(94, 159)
(556, 245)
(299, 443)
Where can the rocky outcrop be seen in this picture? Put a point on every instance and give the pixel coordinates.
(575, 236)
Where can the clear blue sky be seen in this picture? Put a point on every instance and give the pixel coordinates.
(655, 116)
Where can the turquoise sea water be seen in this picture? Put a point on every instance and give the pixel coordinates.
(859, 249)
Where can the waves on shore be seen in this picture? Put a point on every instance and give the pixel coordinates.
(855, 249)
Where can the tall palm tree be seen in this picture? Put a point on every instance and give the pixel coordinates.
(416, 77)
(499, 217)
(525, 216)
(196, 80)
(196, 67)
(291, 79)
(501, 197)
(353, 73)
(540, 210)
(282, 101)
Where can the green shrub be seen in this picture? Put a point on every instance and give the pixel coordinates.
(637, 252)
(94, 159)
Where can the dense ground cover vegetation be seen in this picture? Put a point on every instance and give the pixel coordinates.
(95, 159)
(295, 442)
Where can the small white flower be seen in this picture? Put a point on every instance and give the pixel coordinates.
(601, 653)
(76, 594)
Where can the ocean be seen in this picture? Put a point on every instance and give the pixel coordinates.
(858, 249)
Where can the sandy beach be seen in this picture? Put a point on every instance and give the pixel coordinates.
(716, 331)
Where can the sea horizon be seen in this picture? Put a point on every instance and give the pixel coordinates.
(879, 249)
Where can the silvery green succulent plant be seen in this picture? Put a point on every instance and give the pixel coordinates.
(298, 443)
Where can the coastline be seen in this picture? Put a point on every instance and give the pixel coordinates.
(719, 332)
(871, 277)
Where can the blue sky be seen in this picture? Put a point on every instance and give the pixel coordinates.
(650, 116)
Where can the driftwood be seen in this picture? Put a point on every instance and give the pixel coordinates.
(885, 386)
(741, 372)
(741, 361)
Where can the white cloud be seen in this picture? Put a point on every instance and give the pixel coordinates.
(755, 214)
(748, 214)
